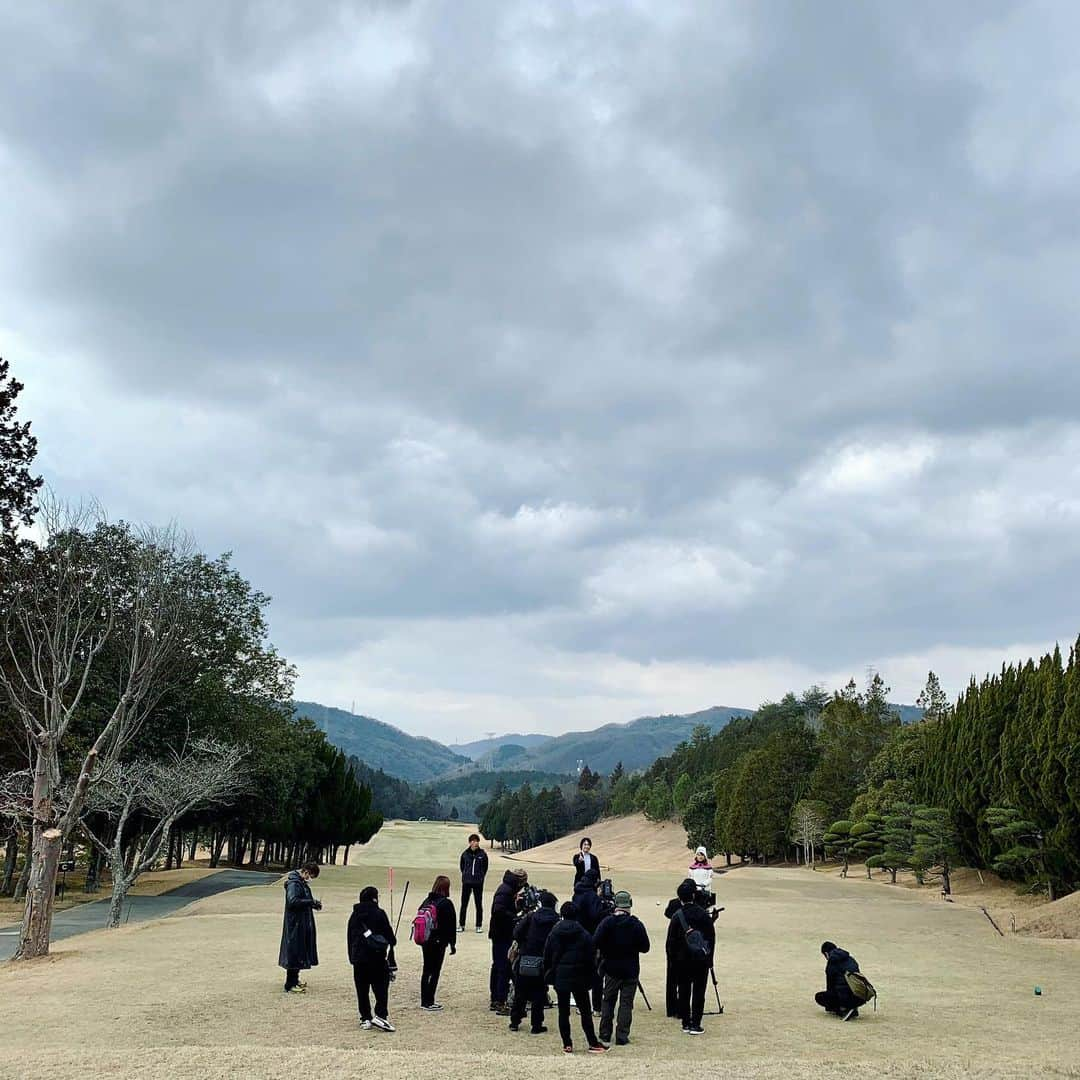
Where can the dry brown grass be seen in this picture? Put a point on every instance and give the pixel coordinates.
(198, 995)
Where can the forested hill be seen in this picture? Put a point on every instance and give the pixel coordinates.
(636, 744)
(382, 746)
(481, 747)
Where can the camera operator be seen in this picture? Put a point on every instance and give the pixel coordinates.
(691, 940)
(590, 911)
(505, 907)
(531, 934)
(671, 982)
(620, 940)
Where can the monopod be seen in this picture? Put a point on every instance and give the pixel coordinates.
(401, 909)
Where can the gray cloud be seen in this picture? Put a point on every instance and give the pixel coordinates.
(665, 334)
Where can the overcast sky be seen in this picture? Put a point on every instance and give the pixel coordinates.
(553, 364)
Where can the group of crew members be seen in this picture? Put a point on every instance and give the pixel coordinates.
(587, 950)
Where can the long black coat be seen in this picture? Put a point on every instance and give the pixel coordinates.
(569, 955)
(298, 948)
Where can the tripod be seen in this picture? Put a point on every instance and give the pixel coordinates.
(716, 991)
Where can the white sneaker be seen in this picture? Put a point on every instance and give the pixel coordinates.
(479, 929)
(381, 1024)
(365, 1025)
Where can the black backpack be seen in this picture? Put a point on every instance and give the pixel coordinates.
(374, 946)
(695, 945)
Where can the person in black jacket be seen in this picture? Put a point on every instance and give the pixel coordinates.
(620, 940)
(474, 868)
(671, 980)
(584, 860)
(445, 936)
(837, 996)
(299, 950)
(371, 944)
(591, 910)
(530, 991)
(504, 916)
(569, 962)
(691, 968)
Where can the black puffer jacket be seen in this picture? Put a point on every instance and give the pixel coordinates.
(474, 866)
(590, 908)
(569, 955)
(298, 945)
(837, 963)
(532, 932)
(503, 916)
(368, 916)
(620, 940)
(697, 918)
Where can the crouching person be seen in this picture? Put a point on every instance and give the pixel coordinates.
(530, 989)
(371, 953)
(620, 940)
(837, 996)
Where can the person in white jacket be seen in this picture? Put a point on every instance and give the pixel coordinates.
(701, 870)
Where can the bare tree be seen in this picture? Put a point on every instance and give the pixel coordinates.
(84, 585)
(143, 800)
(808, 827)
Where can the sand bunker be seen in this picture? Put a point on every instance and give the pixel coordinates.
(626, 843)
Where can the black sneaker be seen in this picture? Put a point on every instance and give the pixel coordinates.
(515, 1027)
(622, 1042)
(538, 1031)
(694, 1030)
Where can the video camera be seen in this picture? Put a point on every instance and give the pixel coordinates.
(705, 898)
(529, 900)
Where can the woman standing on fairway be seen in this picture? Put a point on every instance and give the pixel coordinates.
(445, 936)
(298, 947)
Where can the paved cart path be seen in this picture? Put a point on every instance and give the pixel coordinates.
(93, 915)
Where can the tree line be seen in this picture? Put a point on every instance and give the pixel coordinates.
(144, 714)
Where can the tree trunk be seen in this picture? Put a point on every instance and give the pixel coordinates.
(40, 894)
(11, 855)
(168, 853)
(24, 874)
(179, 848)
(345, 860)
(120, 886)
(216, 845)
(193, 844)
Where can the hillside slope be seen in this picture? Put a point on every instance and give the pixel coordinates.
(636, 744)
(381, 745)
(481, 747)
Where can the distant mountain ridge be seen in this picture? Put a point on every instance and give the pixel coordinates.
(381, 745)
(482, 747)
(637, 744)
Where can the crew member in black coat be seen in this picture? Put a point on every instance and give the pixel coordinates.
(530, 991)
(691, 970)
(371, 944)
(837, 996)
(620, 940)
(671, 980)
(445, 937)
(569, 963)
(299, 951)
(591, 911)
(504, 916)
(474, 867)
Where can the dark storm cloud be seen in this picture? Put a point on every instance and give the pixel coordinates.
(678, 332)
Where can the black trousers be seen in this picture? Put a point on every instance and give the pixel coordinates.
(375, 980)
(581, 992)
(597, 995)
(292, 978)
(434, 954)
(671, 989)
(835, 1003)
(500, 970)
(691, 987)
(477, 893)
(530, 992)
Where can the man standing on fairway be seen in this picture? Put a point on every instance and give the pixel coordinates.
(620, 940)
(474, 868)
(298, 949)
(691, 940)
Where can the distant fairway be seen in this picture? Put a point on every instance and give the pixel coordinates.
(198, 994)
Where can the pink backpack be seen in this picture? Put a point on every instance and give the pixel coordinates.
(424, 924)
